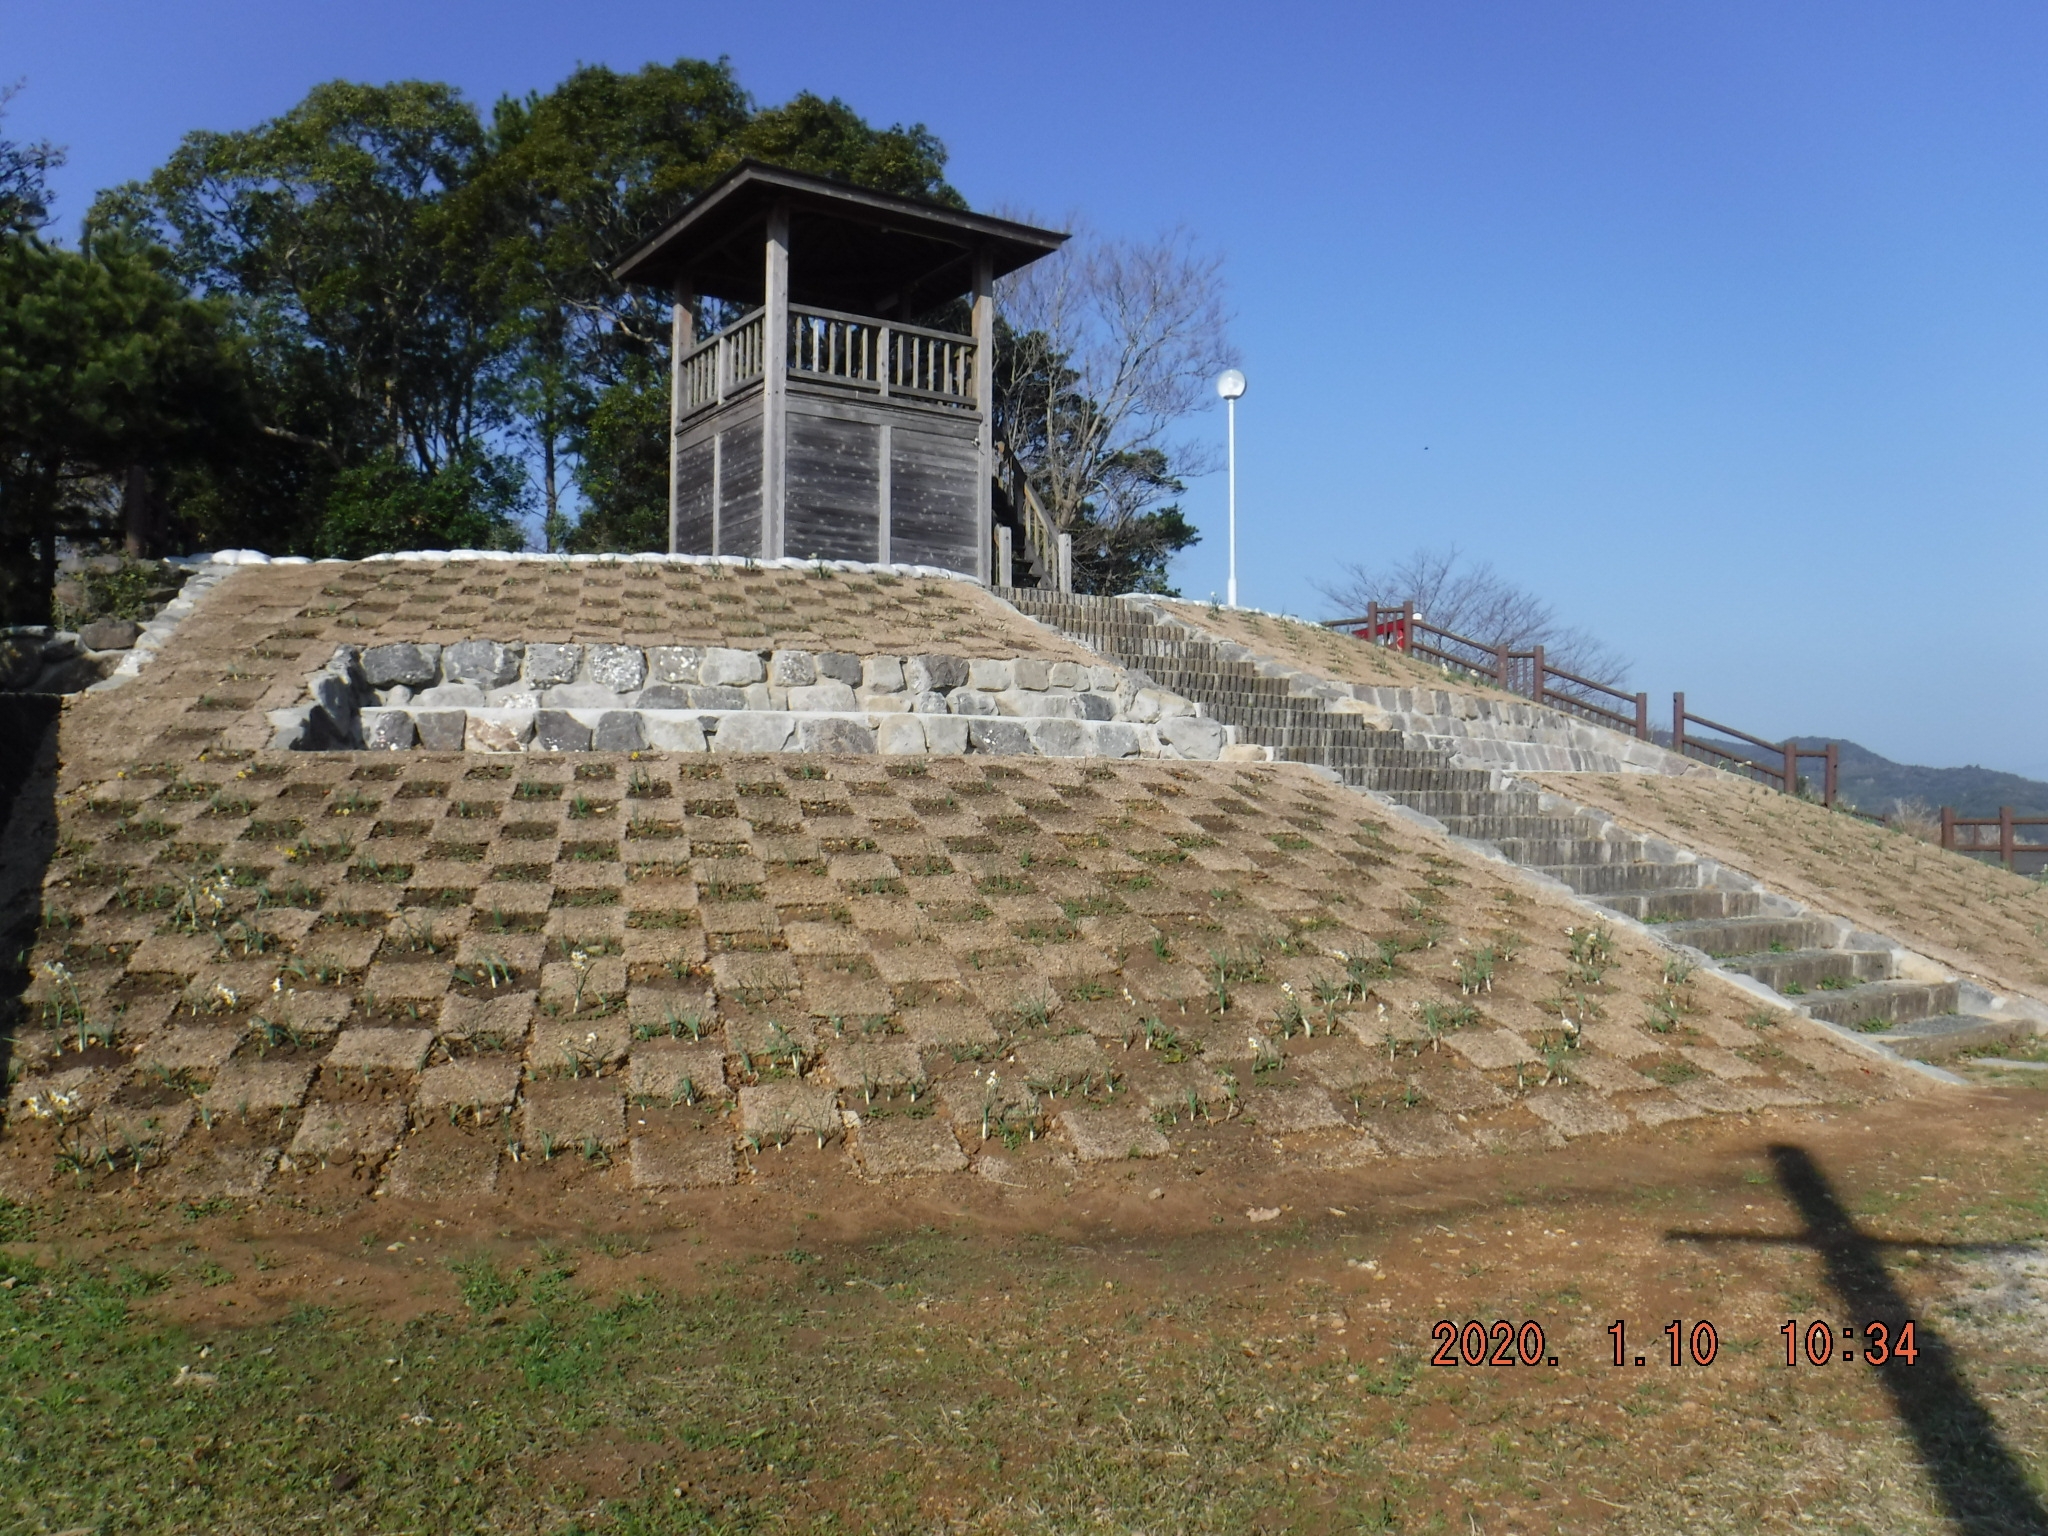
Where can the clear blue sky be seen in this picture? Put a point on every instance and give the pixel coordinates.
(1722, 325)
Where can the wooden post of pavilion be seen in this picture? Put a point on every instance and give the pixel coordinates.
(984, 328)
(681, 337)
(774, 381)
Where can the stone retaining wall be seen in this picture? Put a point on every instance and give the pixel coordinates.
(499, 696)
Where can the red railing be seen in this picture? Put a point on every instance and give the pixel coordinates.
(2009, 845)
(1531, 675)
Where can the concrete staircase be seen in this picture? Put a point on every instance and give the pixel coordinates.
(1808, 959)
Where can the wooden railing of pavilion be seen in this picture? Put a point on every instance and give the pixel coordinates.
(882, 357)
(1529, 673)
(721, 364)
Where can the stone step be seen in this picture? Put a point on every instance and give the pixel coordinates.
(1445, 804)
(1659, 907)
(1612, 878)
(1799, 971)
(1781, 952)
(1495, 828)
(1891, 1003)
(1744, 936)
(1566, 851)
(1394, 782)
(1419, 773)
(1477, 779)
(1944, 1035)
(1316, 733)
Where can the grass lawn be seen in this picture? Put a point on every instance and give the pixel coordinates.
(1118, 1362)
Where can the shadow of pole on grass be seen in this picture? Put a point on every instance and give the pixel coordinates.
(1980, 1484)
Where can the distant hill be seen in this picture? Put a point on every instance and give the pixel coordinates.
(1875, 784)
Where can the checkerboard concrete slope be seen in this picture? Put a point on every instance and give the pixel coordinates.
(425, 973)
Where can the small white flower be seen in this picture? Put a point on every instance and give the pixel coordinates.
(227, 994)
(51, 1104)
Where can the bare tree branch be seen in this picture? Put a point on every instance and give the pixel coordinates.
(1479, 603)
(1115, 346)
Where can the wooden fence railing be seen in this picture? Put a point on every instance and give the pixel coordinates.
(1778, 766)
(1525, 672)
(2009, 847)
(1529, 673)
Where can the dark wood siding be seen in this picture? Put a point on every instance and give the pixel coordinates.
(739, 530)
(931, 511)
(833, 482)
(693, 500)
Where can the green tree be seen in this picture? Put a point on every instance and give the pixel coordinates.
(472, 503)
(24, 178)
(624, 484)
(339, 236)
(414, 288)
(104, 364)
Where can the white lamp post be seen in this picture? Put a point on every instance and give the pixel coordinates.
(1230, 385)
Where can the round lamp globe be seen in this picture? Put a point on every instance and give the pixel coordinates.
(1230, 384)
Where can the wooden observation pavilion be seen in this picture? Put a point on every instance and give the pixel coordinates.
(822, 422)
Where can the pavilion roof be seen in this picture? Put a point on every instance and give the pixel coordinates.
(851, 248)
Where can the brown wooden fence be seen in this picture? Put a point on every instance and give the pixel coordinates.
(1777, 764)
(2008, 850)
(1524, 672)
(1528, 673)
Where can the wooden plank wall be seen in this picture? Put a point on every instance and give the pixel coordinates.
(695, 531)
(862, 481)
(832, 479)
(739, 513)
(932, 482)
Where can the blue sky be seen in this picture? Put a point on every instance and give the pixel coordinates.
(1723, 326)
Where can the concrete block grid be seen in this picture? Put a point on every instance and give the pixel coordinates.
(485, 695)
(467, 963)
